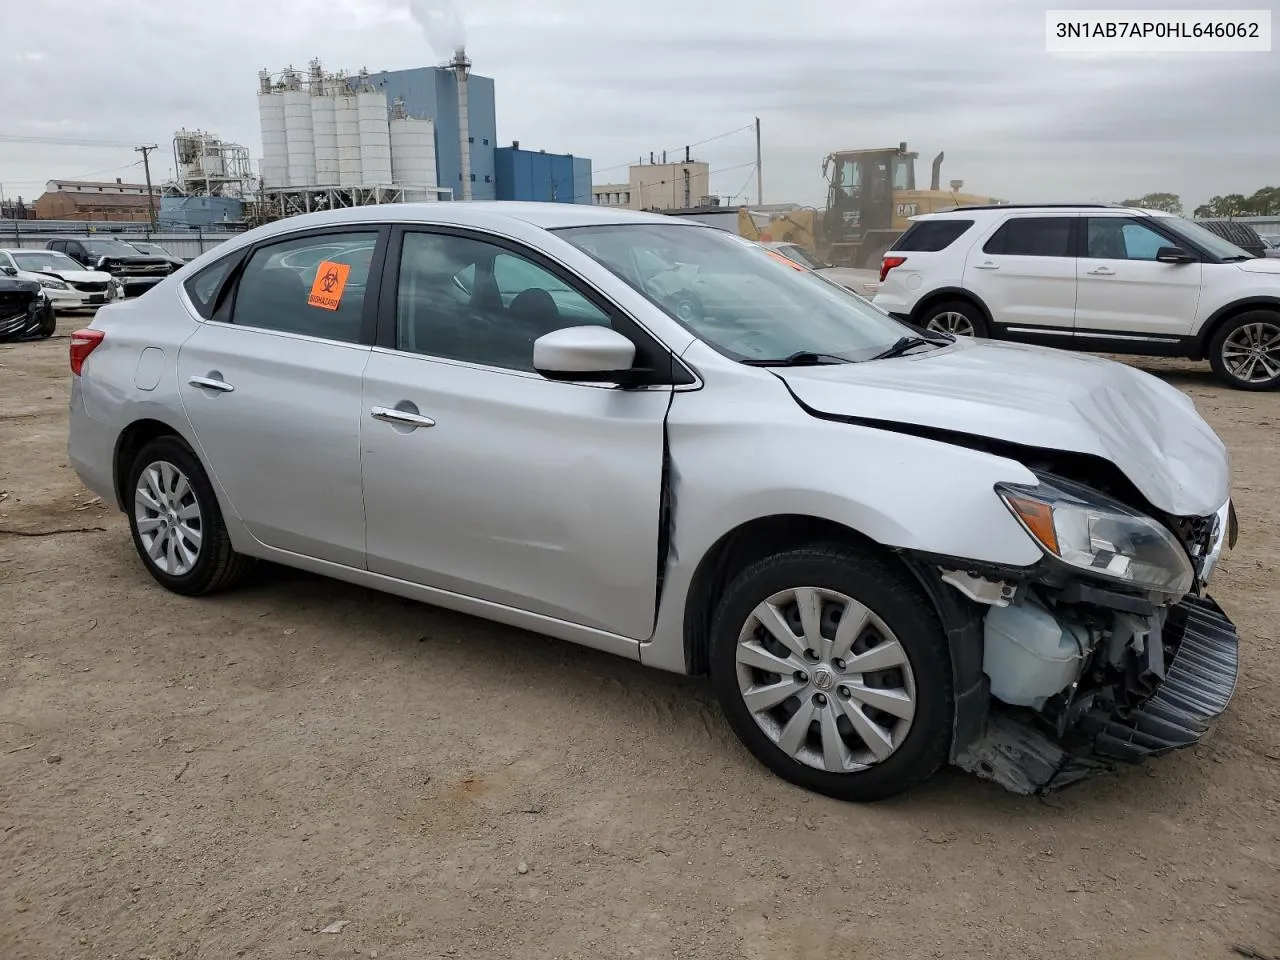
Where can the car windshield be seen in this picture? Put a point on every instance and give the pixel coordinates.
(43, 261)
(109, 248)
(1210, 241)
(747, 306)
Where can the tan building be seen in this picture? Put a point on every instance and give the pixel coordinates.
(94, 200)
(658, 186)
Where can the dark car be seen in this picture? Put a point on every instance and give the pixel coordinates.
(137, 271)
(25, 312)
(1241, 234)
(152, 249)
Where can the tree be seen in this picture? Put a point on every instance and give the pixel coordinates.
(1263, 203)
(1168, 202)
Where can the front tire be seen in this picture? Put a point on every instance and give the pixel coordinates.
(833, 670)
(176, 524)
(1245, 351)
(960, 318)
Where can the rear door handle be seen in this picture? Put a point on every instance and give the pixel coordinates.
(210, 383)
(986, 266)
(401, 417)
(1102, 272)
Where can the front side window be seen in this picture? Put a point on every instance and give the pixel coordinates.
(1032, 237)
(747, 306)
(465, 299)
(1112, 238)
(313, 285)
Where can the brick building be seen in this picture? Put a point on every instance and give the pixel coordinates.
(94, 200)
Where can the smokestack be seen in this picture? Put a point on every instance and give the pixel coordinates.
(664, 156)
(651, 158)
(461, 68)
(686, 155)
(935, 181)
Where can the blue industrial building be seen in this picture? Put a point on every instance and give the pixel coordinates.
(538, 175)
(433, 92)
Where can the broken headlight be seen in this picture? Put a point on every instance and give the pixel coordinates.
(1098, 535)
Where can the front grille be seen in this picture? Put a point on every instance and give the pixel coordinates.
(1202, 649)
(96, 286)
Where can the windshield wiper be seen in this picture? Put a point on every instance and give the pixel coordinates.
(902, 345)
(801, 358)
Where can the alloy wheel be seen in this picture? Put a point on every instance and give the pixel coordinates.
(1252, 352)
(953, 322)
(825, 679)
(168, 518)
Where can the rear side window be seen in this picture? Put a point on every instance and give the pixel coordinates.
(1032, 237)
(314, 285)
(930, 236)
(203, 288)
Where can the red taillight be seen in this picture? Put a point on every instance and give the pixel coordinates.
(82, 344)
(888, 263)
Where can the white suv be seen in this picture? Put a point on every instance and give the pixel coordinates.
(1101, 278)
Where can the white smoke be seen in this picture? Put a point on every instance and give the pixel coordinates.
(440, 24)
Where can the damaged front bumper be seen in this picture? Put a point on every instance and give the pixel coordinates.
(1196, 677)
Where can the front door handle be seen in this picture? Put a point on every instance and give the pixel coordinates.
(401, 417)
(1102, 272)
(986, 266)
(211, 383)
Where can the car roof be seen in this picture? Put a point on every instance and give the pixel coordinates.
(1093, 209)
(27, 250)
(549, 216)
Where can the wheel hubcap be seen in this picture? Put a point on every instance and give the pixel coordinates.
(952, 322)
(825, 679)
(1252, 353)
(168, 518)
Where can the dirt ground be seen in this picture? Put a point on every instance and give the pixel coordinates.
(228, 777)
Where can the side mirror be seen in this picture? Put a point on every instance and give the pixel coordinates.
(587, 354)
(9, 271)
(1173, 255)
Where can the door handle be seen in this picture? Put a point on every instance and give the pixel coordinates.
(986, 266)
(1102, 272)
(402, 417)
(209, 383)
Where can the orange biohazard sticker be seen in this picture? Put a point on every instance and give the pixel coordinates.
(326, 289)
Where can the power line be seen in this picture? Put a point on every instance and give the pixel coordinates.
(74, 176)
(65, 141)
(681, 146)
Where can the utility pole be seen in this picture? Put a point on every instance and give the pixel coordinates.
(759, 174)
(146, 166)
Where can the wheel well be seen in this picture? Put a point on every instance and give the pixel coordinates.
(737, 550)
(941, 296)
(135, 436)
(1224, 316)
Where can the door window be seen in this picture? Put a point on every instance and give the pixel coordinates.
(314, 285)
(1112, 238)
(1032, 237)
(465, 299)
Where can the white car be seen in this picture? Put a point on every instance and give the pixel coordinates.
(1272, 240)
(646, 436)
(67, 284)
(1099, 278)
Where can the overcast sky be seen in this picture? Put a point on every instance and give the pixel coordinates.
(614, 81)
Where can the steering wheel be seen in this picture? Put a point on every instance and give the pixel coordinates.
(686, 305)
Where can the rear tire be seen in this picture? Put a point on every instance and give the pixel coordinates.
(957, 317)
(176, 524)
(859, 715)
(1246, 349)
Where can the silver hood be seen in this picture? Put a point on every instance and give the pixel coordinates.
(1043, 398)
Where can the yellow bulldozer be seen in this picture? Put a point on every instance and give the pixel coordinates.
(871, 196)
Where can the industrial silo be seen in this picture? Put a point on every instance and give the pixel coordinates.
(347, 123)
(300, 134)
(375, 138)
(275, 149)
(324, 127)
(413, 154)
